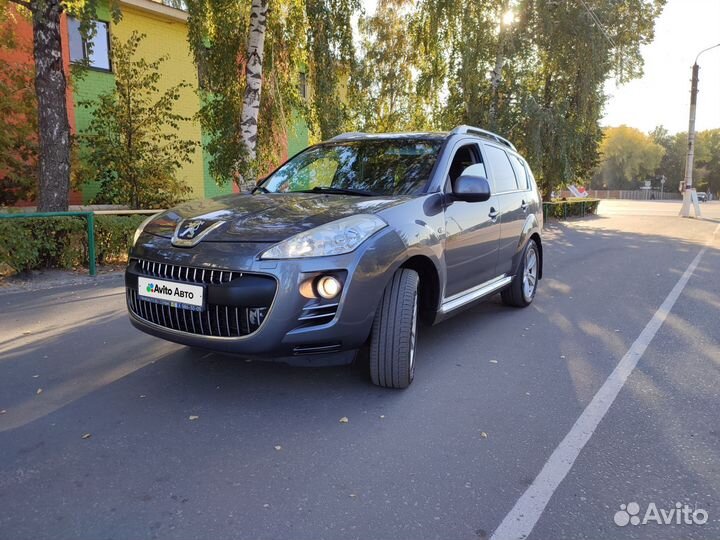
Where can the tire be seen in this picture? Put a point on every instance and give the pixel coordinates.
(394, 330)
(521, 291)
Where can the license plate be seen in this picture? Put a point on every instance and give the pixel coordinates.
(173, 294)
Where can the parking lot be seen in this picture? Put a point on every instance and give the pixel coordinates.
(109, 433)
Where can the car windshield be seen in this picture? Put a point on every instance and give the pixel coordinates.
(377, 167)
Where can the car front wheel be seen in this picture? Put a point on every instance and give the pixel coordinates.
(394, 331)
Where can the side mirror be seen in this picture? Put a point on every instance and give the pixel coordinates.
(471, 189)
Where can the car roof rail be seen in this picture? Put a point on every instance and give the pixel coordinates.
(348, 135)
(471, 130)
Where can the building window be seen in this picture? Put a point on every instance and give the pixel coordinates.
(95, 51)
(302, 85)
(177, 4)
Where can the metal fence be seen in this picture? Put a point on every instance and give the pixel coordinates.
(628, 194)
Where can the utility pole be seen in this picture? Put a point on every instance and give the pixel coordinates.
(689, 193)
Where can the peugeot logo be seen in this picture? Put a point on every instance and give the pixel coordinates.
(191, 231)
(191, 228)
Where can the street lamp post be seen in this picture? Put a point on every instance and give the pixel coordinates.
(689, 193)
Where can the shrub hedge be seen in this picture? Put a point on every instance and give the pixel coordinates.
(61, 242)
(562, 209)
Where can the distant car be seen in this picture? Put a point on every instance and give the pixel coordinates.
(352, 240)
(702, 196)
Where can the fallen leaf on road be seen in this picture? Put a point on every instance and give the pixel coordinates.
(86, 436)
(278, 447)
(38, 391)
(493, 361)
(193, 417)
(26, 333)
(562, 356)
(266, 505)
(142, 396)
(352, 495)
(382, 416)
(483, 435)
(344, 420)
(3, 411)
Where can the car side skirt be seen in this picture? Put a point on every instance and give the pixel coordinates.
(478, 292)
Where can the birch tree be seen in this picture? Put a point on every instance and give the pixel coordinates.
(253, 84)
(249, 56)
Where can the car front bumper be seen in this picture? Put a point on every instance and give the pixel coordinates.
(255, 307)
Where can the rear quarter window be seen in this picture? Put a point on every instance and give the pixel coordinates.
(520, 172)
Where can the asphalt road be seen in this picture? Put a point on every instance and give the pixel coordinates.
(97, 440)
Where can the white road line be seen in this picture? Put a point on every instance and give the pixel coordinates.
(520, 521)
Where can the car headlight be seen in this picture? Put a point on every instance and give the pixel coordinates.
(334, 238)
(141, 228)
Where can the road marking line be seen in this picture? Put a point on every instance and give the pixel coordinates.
(520, 521)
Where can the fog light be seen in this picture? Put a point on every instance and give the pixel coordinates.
(328, 287)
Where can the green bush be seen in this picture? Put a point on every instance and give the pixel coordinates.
(570, 208)
(61, 242)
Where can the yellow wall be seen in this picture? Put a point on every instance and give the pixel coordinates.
(169, 37)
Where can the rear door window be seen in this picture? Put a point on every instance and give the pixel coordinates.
(502, 170)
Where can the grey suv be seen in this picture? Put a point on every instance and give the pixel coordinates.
(351, 241)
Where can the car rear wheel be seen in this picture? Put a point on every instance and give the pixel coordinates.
(521, 291)
(394, 332)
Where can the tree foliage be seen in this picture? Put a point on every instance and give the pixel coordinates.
(331, 59)
(131, 144)
(628, 158)
(706, 174)
(18, 110)
(383, 87)
(532, 70)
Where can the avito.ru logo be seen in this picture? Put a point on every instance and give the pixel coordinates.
(681, 514)
(150, 287)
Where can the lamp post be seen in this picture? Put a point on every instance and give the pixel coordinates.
(689, 193)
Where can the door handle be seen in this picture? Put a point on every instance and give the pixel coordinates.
(524, 206)
(493, 214)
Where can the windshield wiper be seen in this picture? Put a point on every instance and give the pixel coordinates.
(339, 191)
(259, 188)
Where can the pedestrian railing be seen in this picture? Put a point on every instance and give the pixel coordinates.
(89, 218)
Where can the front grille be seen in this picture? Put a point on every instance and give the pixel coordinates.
(217, 320)
(186, 273)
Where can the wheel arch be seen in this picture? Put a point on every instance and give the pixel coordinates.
(538, 240)
(429, 290)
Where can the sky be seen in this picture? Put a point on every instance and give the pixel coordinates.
(662, 95)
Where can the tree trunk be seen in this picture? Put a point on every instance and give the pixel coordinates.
(496, 73)
(53, 126)
(253, 82)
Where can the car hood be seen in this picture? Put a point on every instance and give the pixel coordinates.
(267, 217)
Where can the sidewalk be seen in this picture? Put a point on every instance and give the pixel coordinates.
(53, 278)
